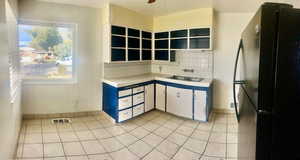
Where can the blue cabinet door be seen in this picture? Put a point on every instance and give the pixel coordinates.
(118, 55)
(133, 55)
(146, 55)
(162, 55)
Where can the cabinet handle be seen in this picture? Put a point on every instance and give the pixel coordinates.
(178, 95)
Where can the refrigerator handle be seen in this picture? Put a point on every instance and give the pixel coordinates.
(236, 82)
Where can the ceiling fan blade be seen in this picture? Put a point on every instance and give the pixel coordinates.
(151, 1)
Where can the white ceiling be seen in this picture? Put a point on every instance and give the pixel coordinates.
(162, 7)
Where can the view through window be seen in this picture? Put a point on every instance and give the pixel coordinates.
(46, 51)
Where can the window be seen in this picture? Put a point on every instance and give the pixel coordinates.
(46, 51)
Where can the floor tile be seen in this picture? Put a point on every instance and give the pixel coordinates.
(187, 131)
(127, 139)
(232, 128)
(123, 154)
(50, 137)
(101, 133)
(190, 123)
(140, 148)
(163, 132)
(73, 148)
(115, 130)
(33, 138)
(93, 124)
(53, 150)
(139, 132)
(128, 126)
(211, 158)
(171, 125)
(32, 150)
(152, 136)
(232, 150)
(79, 126)
(99, 157)
(152, 139)
(215, 149)
(85, 135)
(155, 155)
(218, 137)
(177, 138)
(49, 128)
(186, 154)
(220, 128)
(201, 135)
(92, 147)
(78, 158)
(111, 144)
(150, 126)
(64, 128)
(205, 126)
(232, 138)
(34, 129)
(55, 158)
(168, 148)
(195, 145)
(68, 137)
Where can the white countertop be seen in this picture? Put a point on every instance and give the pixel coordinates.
(126, 81)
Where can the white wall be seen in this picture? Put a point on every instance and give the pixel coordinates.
(10, 113)
(126, 70)
(227, 35)
(85, 94)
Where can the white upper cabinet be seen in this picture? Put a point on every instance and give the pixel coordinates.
(180, 101)
(149, 97)
(160, 97)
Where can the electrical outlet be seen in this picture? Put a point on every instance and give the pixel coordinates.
(232, 105)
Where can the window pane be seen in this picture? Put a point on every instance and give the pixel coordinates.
(46, 52)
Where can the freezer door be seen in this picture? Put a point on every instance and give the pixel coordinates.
(286, 133)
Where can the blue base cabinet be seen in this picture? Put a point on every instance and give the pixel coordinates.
(182, 100)
(125, 102)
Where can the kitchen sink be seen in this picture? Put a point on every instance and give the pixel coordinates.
(184, 78)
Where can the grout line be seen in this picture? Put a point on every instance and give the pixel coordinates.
(144, 120)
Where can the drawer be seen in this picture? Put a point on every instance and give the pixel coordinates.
(125, 102)
(125, 114)
(138, 98)
(138, 89)
(125, 93)
(137, 110)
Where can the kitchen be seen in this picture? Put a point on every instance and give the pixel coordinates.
(153, 79)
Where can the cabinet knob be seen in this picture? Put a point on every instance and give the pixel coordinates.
(178, 95)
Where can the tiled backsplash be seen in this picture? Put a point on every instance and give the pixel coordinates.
(125, 70)
(200, 62)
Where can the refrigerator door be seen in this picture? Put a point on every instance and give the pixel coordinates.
(257, 70)
(286, 120)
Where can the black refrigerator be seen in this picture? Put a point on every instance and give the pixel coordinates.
(266, 85)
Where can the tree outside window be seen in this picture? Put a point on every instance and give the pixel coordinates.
(46, 51)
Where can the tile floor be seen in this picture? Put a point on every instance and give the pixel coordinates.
(152, 136)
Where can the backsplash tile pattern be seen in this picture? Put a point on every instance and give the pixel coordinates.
(200, 62)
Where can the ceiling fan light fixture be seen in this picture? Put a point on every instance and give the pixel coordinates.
(151, 1)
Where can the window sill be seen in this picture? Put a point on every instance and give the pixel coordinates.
(48, 82)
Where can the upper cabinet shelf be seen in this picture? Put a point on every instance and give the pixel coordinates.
(128, 45)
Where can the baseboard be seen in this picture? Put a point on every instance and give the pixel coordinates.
(223, 110)
(60, 115)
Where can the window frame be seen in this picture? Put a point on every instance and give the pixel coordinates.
(74, 28)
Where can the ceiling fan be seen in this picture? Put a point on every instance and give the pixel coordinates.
(151, 1)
